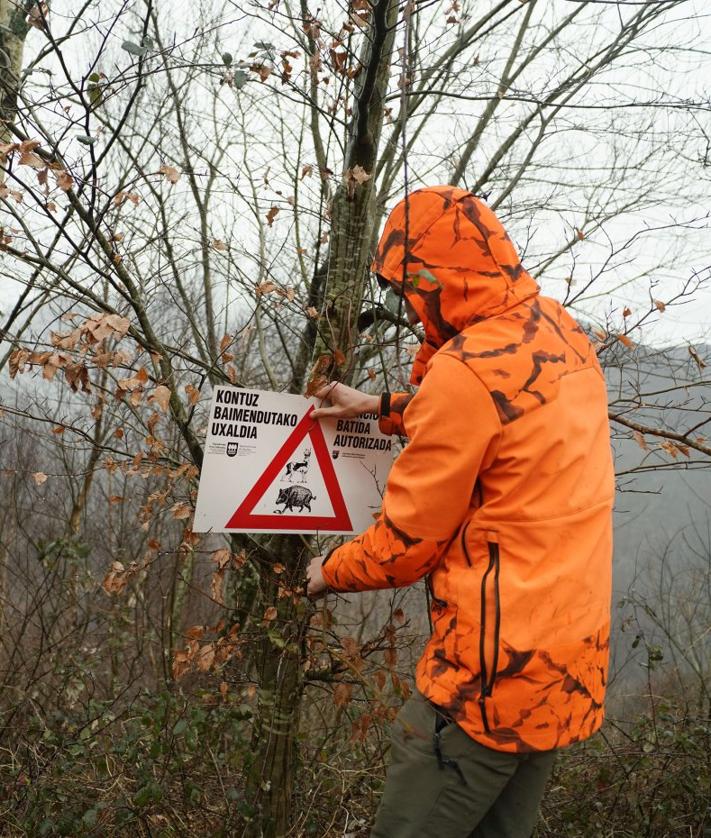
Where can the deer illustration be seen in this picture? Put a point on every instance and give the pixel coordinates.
(298, 469)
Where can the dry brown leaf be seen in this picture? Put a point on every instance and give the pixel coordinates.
(262, 70)
(390, 657)
(17, 361)
(29, 158)
(64, 180)
(119, 325)
(221, 557)
(659, 305)
(312, 313)
(37, 16)
(193, 394)
(118, 576)
(172, 175)
(342, 694)
(181, 664)
(270, 614)
(355, 177)
(39, 477)
(121, 197)
(217, 586)
(266, 288)
(640, 440)
(161, 395)
(115, 580)
(206, 657)
(134, 382)
(626, 311)
(49, 369)
(77, 376)
(181, 510)
(625, 341)
(271, 215)
(698, 360)
(6, 192)
(218, 244)
(670, 448)
(316, 382)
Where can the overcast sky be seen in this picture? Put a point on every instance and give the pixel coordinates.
(655, 263)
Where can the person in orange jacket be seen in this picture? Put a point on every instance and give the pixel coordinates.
(502, 500)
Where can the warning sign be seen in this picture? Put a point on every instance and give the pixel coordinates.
(270, 467)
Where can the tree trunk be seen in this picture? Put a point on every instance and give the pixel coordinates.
(13, 31)
(280, 672)
(272, 772)
(353, 212)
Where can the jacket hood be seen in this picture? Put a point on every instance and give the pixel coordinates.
(461, 265)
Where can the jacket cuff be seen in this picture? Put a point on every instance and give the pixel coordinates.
(328, 572)
(392, 409)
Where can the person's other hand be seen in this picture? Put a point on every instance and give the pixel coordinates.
(315, 586)
(346, 402)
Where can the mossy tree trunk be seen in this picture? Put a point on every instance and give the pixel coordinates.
(341, 281)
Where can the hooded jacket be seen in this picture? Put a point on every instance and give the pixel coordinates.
(503, 495)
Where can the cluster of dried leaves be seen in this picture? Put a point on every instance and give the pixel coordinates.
(203, 657)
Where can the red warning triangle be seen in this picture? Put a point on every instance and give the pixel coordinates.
(339, 521)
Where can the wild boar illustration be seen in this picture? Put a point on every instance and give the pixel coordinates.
(295, 496)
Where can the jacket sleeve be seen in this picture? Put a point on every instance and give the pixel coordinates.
(452, 424)
(392, 410)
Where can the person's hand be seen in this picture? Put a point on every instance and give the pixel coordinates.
(315, 586)
(346, 402)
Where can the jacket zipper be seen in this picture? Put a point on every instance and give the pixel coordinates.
(488, 676)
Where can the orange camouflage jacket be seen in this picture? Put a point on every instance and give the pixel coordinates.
(503, 495)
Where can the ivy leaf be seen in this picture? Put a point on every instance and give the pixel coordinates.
(95, 94)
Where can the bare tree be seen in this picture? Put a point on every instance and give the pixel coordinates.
(196, 201)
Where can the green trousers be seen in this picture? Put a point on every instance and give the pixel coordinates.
(443, 784)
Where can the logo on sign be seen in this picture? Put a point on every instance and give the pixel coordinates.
(232, 448)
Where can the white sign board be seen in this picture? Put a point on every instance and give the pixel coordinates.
(269, 467)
